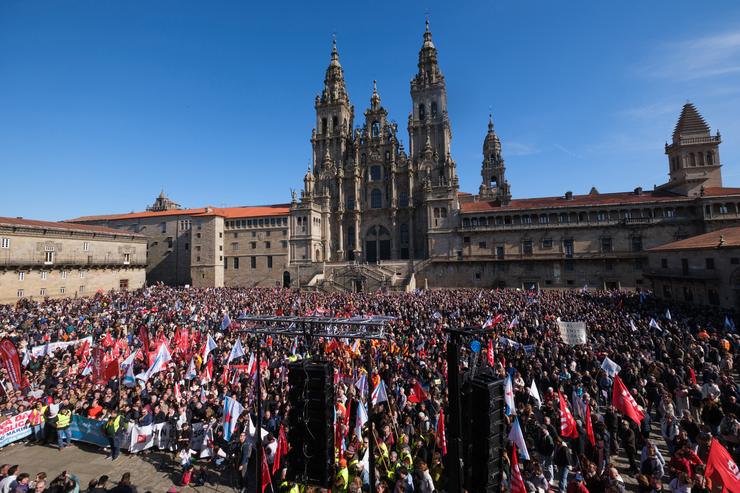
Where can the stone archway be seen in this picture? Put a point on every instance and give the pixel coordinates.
(377, 244)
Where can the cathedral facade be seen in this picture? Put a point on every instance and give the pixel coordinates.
(365, 197)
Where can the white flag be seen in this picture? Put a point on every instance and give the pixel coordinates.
(236, 352)
(509, 396)
(160, 362)
(668, 314)
(210, 346)
(535, 394)
(632, 325)
(610, 367)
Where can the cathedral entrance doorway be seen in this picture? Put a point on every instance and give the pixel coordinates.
(377, 244)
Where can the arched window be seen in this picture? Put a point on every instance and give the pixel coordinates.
(434, 109)
(376, 199)
(422, 112)
(375, 173)
(710, 158)
(375, 129)
(323, 125)
(335, 124)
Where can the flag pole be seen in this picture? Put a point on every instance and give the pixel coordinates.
(258, 431)
(371, 443)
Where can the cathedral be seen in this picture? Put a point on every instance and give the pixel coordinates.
(366, 197)
(375, 215)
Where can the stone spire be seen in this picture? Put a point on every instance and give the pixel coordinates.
(494, 185)
(375, 98)
(429, 72)
(335, 89)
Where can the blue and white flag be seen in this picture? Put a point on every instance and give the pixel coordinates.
(488, 323)
(129, 361)
(88, 368)
(610, 367)
(236, 351)
(654, 324)
(509, 396)
(361, 384)
(514, 322)
(668, 314)
(516, 436)
(379, 394)
(159, 363)
(191, 373)
(225, 322)
(361, 419)
(232, 410)
(210, 346)
(294, 346)
(632, 325)
(129, 380)
(729, 324)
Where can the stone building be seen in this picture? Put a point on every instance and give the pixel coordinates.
(703, 269)
(210, 246)
(40, 259)
(373, 214)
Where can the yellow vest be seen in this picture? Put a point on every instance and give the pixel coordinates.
(63, 420)
(344, 474)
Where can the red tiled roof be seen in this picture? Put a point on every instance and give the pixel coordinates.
(730, 237)
(64, 226)
(601, 199)
(226, 212)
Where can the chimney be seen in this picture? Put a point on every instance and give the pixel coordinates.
(569, 195)
(638, 191)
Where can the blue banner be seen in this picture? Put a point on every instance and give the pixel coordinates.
(88, 430)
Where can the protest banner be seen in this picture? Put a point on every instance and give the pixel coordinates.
(88, 430)
(50, 347)
(572, 333)
(15, 428)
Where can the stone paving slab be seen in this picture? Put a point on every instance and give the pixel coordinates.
(154, 472)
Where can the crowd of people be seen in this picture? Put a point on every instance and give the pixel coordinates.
(676, 362)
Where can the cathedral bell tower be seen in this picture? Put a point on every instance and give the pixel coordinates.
(334, 117)
(429, 125)
(494, 185)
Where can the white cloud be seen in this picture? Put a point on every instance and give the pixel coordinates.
(697, 58)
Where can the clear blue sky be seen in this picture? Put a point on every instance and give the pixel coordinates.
(103, 103)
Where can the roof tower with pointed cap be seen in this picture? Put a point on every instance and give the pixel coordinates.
(690, 123)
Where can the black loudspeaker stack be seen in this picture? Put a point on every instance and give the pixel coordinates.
(310, 423)
(484, 432)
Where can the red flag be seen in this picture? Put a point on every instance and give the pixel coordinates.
(144, 338)
(107, 340)
(721, 468)
(567, 423)
(84, 347)
(497, 319)
(490, 353)
(266, 479)
(178, 395)
(98, 365)
(441, 438)
(417, 394)
(517, 483)
(624, 403)
(111, 371)
(692, 375)
(282, 449)
(589, 426)
(11, 362)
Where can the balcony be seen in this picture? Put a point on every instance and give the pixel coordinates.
(41, 264)
(568, 224)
